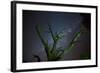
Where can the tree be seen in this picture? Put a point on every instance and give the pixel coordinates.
(53, 53)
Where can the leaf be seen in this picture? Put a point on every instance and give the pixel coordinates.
(45, 44)
(73, 41)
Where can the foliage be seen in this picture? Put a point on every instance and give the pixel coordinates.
(53, 53)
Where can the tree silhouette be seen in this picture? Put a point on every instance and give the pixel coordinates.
(53, 53)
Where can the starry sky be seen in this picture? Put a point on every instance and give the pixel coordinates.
(69, 23)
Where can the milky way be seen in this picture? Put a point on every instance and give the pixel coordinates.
(69, 23)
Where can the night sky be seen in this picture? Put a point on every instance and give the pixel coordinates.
(69, 23)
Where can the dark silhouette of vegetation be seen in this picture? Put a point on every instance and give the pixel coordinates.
(53, 53)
